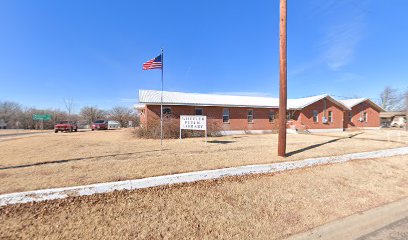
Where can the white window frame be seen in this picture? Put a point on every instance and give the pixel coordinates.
(273, 116)
(252, 115)
(330, 116)
(365, 116)
(224, 115)
(317, 116)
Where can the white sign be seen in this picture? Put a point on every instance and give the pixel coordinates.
(193, 122)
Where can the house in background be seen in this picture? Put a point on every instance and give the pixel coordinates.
(3, 124)
(393, 119)
(247, 114)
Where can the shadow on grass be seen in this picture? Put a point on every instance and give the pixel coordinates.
(75, 159)
(319, 145)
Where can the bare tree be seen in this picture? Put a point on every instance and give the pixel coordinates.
(90, 114)
(9, 113)
(390, 99)
(122, 115)
(69, 105)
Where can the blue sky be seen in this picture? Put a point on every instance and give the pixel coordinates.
(93, 51)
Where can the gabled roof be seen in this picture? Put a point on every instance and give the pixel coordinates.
(198, 99)
(350, 103)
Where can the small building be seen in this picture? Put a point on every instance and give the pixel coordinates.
(3, 124)
(248, 114)
(393, 119)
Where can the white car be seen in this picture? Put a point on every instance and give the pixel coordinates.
(398, 121)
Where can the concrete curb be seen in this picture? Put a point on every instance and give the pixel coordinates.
(59, 193)
(358, 225)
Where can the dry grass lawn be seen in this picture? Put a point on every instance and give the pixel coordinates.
(68, 159)
(271, 206)
(20, 131)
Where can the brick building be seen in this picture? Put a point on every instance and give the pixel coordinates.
(243, 114)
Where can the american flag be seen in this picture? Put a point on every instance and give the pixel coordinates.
(155, 63)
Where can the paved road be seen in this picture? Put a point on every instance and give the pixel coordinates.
(389, 221)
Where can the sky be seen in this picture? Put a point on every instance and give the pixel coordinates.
(93, 51)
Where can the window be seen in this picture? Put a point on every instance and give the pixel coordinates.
(290, 115)
(350, 116)
(315, 116)
(166, 110)
(250, 116)
(198, 111)
(365, 117)
(225, 115)
(330, 118)
(271, 115)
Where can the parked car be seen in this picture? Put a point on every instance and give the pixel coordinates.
(398, 121)
(100, 125)
(66, 126)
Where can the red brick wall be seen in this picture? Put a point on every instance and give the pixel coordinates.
(373, 116)
(238, 116)
(302, 119)
(306, 115)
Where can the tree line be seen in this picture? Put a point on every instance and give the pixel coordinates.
(14, 115)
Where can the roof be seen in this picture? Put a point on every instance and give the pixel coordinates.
(139, 106)
(350, 103)
(391, 114)
(153, 97)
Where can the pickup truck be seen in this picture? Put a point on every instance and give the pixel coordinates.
(66, 126)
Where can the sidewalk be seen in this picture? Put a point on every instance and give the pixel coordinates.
(383, 220)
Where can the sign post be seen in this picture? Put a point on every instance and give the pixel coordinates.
(193, 122)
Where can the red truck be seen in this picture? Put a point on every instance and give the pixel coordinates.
(66, 126)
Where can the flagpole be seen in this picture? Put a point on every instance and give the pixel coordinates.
(161, 101)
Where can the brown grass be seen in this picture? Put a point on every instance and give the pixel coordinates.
(17, 131)
(270, 206)
(68, 159)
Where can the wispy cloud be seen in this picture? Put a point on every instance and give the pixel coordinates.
(343, 33)
(341, 42)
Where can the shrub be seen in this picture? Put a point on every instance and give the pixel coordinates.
(171, 129)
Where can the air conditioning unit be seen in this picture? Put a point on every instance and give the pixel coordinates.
(324, 120)
(361, 119)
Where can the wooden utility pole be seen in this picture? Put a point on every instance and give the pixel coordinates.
(282, 81)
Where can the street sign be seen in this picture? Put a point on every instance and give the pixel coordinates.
(43, 117)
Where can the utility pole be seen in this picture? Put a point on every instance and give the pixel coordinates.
(282, 79)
